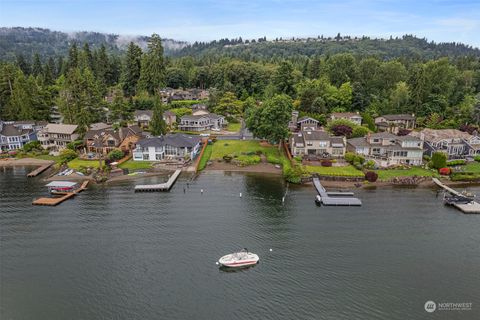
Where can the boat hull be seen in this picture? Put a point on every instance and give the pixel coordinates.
(233, 261)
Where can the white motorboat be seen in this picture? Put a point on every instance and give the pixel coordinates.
(242, 258)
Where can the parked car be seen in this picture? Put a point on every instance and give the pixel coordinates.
(204, 134)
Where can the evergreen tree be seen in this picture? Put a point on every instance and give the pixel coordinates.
(131, 71)
(284, 79)
(23, 64)
(86, 58)
(152, 75)
(72, 56)
(49, 72)
(37, 65)
(102, 65)
(157, 125)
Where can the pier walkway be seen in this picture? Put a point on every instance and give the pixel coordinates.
(325, 198)
(53, 201)
(39, 170)
(161, 186)
(471, 207)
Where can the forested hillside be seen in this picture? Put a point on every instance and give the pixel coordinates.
(48, 43)
(407, 47)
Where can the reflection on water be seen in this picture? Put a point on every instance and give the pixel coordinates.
(115, 254)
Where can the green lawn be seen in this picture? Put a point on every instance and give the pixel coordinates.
(136, 165)
(234, 127)
(386, 175)
(205, 157)
(245, 151)
(78, 163)
(347, 171)
(472, 167)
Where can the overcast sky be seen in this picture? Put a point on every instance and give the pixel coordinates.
(438, 20)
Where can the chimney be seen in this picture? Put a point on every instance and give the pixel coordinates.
(294, 117)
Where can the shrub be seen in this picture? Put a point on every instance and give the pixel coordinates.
(354, 158)
(32, 145)
(477, 158)
(326, 163)
(227, 158)
(445, 171)
(74, 144)
(456, 163)
(342, 130)
(371, 176)
(294, 174)
(370, 164)
(246, 160)
(439, 160)
(359, 131)
(67, 155)
(115, 155)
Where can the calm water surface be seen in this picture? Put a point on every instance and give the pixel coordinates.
(111, 253)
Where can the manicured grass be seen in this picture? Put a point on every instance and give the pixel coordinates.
(472, 167)
(136, 165)
(347, 171)
(78, 163)
(205, 157)
(246, 151)
(234, 127)
(239, 147)
(386, 175)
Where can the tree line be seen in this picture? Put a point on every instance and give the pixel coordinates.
(443, 92)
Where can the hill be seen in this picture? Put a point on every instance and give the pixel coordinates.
(48, 43)
(406, 46)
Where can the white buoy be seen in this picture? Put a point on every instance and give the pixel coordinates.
(240, 194)
(271, 249)
(201, 191)
(216, 263)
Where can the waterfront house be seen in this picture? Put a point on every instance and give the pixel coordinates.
(175, 146)
(297, 123)
(387, 149)
(104, 140)
(393, 123)
(202, 122)
(312, 141)
(454, 143)
(143, 118)
(55, 137)
(354, 117)
(15, 134)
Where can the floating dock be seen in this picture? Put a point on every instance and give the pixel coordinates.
(39, 170)
(342, 199)
(53, 201)
(161, 186)
(471, 207)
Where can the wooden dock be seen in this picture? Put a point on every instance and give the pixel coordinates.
(53, 201)
(471, 207)
(161, 186)
(342, 199)
(39, 170)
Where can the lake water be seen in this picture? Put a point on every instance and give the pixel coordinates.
(111, 253)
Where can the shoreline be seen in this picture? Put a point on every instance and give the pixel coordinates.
(261, 168)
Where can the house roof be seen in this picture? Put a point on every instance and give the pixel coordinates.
(433, 135)
(99, 125)
(60, 128)
(118, 134)
(138, 113)
(11, 130)
(358, 142)
(345, 115)
(175, 139)
(315, 135)
(393, 117)
(198, 117)
(306, 118)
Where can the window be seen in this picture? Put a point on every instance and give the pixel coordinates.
(145, 156)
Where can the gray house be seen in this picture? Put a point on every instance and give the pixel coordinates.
(175, 146)
(15, 134)
(202, 122)
(454, 143)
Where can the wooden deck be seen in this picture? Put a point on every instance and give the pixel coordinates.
(39, 170)
(161, 186)
(472, 207)
(53, 201)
